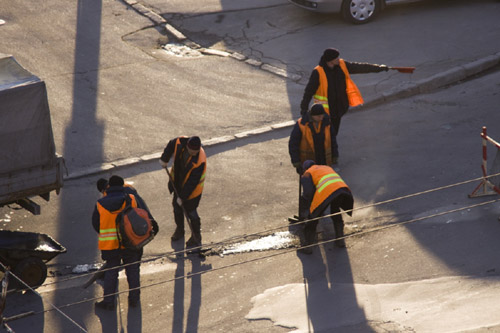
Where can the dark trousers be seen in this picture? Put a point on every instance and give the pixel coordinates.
(115, 258)
(335, 122)
(190, 207)
(338, 223)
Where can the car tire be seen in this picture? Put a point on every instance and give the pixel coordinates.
(360, 11)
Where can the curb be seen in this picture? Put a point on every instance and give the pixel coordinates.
(111, 166)
(426, 85)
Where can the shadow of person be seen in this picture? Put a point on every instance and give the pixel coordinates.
(331, 302)
(197, 267)
(179, 287)
(108, 319)
(134, 319)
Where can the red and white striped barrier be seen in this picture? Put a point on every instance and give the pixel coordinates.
(485, 187)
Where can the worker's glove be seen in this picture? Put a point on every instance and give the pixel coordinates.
(179, 201)
(385, 68)
(298, 167)
(163, 164)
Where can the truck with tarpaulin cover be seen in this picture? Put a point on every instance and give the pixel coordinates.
(30, 166)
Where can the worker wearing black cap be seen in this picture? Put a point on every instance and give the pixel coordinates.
(330, 84)
(186, 183)
(313, 138)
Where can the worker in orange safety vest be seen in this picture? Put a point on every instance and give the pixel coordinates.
(313, 138)
(104, 216)
(330, 84)
(188, 178)
(323, 188)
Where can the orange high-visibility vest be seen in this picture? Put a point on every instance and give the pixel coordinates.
(326, 181)
(202, 158)
(108, 233)
(353, 94)
(306, 147)
(321, 95)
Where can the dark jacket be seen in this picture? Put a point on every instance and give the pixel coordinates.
(318, 138)
(337, 96)
(181, 168)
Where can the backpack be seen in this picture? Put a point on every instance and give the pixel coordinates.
(134, 226)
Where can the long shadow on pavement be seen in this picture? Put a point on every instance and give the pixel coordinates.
(84, 129)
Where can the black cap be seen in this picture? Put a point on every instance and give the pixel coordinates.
(102, 184)
(317, 109)
(330, 54)
(116, 181)
(194, 143)
(307, 164)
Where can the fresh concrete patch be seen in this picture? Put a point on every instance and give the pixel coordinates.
(448, 304)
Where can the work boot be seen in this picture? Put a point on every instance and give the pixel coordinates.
(192, 242)
(195, 239)
(302, 249)
(178, 234)
(309, 238)
(339, 233)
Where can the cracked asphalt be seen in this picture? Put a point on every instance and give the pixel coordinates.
(116, 97)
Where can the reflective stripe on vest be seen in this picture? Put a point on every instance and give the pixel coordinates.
(321, 95)
(108, 234)
(326, 181)
(353, 94)
(306, 147)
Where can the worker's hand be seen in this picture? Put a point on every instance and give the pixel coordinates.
(179, 201)
(298, 167)
(385, 68)
(163, 164)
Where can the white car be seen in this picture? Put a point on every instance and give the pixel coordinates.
(355, 11)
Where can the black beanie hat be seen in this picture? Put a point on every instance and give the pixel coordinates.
(307, 164)
(102, 184)
(330, 54)
(116, 181)
(317, 109)
(194, 143)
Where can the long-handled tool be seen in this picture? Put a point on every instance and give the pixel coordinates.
(97, 275)
(184, 211)
(408, 70)
(295, 218)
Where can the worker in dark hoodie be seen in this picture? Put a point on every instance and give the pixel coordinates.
(104, 223)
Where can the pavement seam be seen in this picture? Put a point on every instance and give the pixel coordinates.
(425, 85)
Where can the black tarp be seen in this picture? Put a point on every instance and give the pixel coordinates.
(26, 138)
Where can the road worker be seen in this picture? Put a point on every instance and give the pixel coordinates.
(330, 84)
(104, 222)
(323, 188)
(186, 183)
(313, 138)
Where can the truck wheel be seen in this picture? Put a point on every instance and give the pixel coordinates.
(360, 11)
(32, 271)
